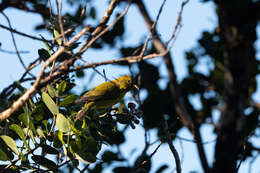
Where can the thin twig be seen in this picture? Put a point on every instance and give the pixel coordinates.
(152, 29)
(16, 105)
(22, 34)
(173, 85)
(16, 160)
(100, 33)
(11, 52)
(8, 90)
(178, 24)
(14, 43)
(171, 146)
(59, 6)
(129, 60)
(93, 38)
(105, 18)
(142, 162)
(243, 157)
(193, 141)
(50, 9)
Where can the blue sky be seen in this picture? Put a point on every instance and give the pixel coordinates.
(197, 17)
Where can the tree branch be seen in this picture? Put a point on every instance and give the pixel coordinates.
(174, 88)
(16, 105)
(169, 141)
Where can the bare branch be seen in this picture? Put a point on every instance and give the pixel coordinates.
(101, 32)
(142, 162)
(174, 88)
(22, 34)
(15, 45)
(129, 60)
(59, 6)
(8, 90)
(18, 103)
(152, 29)
(105, 18)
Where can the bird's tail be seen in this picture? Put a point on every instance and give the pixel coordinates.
(84, 110)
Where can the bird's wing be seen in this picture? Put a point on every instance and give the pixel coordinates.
(104, 91)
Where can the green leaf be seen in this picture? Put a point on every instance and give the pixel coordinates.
(51, 90)
(24, 118)
(50, 103)
(68, 100)
(86, 157)
(60, 136)
(62, 86)
(56, 141)
(47, 45)
(3, 156)
(41, 133)
(10, 143)
(91, 144)
(63, 123)
(84, 149)
(19, 131)
(6, 150)
(56, 35)
(44, 162)
(38, 113)
(46, 125)
(43, 54)
(29, 133)
(48, 149)
(109, 156)
(24, 160)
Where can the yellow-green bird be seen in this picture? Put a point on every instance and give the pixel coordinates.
(105, 95)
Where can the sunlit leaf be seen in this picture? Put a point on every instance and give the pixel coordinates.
(19, 131)
(56, 35)
(62, 86)
(28, 132)
(87, 158)
(50, 103)
(47, 46)
(40, 133)
(63, 123)
(60, 136)
(10, 143)
(51, 90)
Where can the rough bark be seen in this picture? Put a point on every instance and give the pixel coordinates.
(237, 30)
